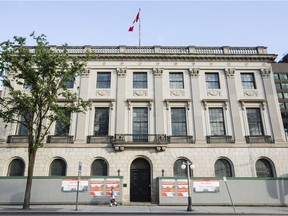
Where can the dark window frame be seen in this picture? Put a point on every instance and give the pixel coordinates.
(140, 80)
(212, 80)
(99, 167)
(101, 119)
(176, 80)
(248, 81)
(178, 120)
(103, 80)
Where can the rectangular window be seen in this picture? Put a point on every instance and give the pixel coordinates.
(63, 125)
(22, 128)
(103, 80)
(101, 121)
(280, 95)
(284, 85)
(276, 76)
(70, 83)
(212, 80)
(140, 124)
(283, 76)
(248, 81)
(140, 80)
(285, 95)
(178, 121)
(255, 121)
(217, 125)
(282, 105)
(176, 80)
(278, 85)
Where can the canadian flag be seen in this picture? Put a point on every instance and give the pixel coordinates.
(135, 21)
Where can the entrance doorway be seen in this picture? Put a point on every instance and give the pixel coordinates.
(140, 181)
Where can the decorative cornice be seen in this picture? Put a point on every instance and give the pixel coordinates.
(194, 71)
(157, 72)
(265, 72)
(230, 72)
(121, 72)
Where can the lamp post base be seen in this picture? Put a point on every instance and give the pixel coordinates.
(189, 208)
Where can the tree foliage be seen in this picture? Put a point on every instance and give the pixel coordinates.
(34, 80)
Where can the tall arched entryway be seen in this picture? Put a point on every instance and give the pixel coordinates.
(140, 181)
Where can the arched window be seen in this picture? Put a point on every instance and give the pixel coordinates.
(223, 168)
(178, 171)
(58, 168)
(16, 168)
(99, 168)
(264, 168)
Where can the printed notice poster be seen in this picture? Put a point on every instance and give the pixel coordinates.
(168, 187)
(206, 186)
(97, 187)
(182, 186)
(70, 185)
(115, 182)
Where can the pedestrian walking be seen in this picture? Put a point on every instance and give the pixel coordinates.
(112, 198)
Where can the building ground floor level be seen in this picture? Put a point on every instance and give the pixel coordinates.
(141, 170)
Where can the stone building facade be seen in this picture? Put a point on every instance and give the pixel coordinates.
(153, 108)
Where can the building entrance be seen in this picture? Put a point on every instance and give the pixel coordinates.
(140, 181)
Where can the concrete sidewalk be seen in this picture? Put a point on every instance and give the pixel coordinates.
(151, 209)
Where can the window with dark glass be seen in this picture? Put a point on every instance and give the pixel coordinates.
(223, 168)
(23, 129)
(276, 76)
(140, 80)
(63, 126)
(178, 121)
(255, 121)
(101, 121)
(178, 171)
(278, 85)
(16, 168)
(176, 80)
(58, 168)
(103, 80)
(22, 126)
(217, 125)
(264, 169)
(248, 81)
(283, 76)
(70, 83)
(140, 124)
(99, 168)
(284, 85)
(212, 80)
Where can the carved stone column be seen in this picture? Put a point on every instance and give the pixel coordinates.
(198, 120)
(158, 100)
(278, 134)
(235, 107)
(121, 98)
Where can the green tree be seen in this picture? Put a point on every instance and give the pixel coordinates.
(45, 74)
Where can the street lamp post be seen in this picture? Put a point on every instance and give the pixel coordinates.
(189, 166)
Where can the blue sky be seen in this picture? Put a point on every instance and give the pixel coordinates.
(166, 23)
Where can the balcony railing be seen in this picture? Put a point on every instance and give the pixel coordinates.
(180, 139)
(17, 139)
(258, 139)
(140, 138)
(99, 139)
(59, 139)
(219, 139)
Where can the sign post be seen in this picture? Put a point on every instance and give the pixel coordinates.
(79, 177)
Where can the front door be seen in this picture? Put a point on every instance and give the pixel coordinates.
(140, 181)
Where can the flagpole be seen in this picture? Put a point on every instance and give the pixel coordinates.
(139, 27)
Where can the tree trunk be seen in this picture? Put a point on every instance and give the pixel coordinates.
(32, 156)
